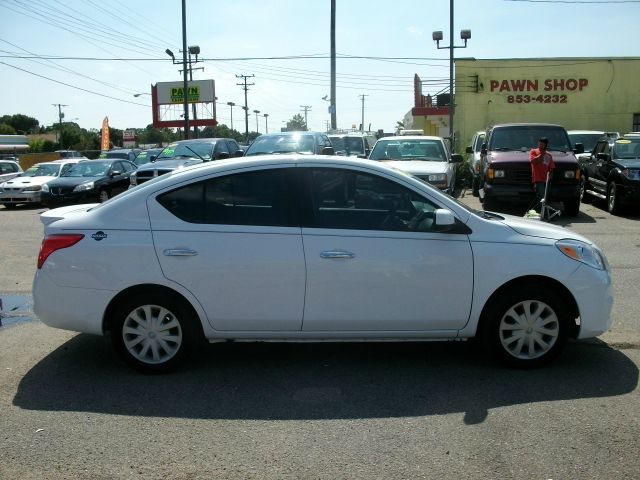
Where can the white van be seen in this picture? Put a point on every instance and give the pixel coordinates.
(353, 143)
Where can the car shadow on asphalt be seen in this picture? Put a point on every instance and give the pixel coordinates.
(628, 212)
(308, 381)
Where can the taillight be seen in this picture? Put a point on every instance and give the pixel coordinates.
(51, 243)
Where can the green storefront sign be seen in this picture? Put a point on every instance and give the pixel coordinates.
(193, 95)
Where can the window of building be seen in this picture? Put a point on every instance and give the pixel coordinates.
(636, 122)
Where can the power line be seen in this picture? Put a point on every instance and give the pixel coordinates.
(74, 86)
(583, 2)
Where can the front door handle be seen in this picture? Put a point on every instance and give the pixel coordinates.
(180, 252)
(336, 254)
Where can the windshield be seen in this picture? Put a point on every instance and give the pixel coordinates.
(479, 141)
(337, 142)
(526, 137)
(429, 150)
(587, 139)
(296, 143)
(115, 154)
(91, 168)
(627, 148)
(186, 150)
(48, 170)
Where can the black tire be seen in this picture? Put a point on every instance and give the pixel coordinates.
(500, 331)
(613, 199)
(9, 206)
(572, 207)
(103, 196)
(475, 189)
(584, 195)
(489, 204)
(175, 335)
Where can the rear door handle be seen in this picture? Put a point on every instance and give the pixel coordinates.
(180, 252)
(336, 254)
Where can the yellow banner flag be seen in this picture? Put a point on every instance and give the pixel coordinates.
(104, 144)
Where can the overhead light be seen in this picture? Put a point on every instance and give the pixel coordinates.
(170, 53)
(465, 34)
(194, 50)
(437, 36)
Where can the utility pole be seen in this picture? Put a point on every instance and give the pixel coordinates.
(231, 104)
(327, 124)
(60, 117)
(257, 127)
(305, 109)
(332, 107)
(266, 123)
(185, 85)
(362, 124)
(245, 86)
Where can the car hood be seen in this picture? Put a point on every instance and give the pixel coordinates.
(170, 164)
(625, 162)
(72, 181)
(520, 156)
(537, 228)
(22, 182)
(419, 167)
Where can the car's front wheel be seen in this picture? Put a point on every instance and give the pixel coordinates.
(103, 196)
(154, 333)
(526, 326)
(613, 200)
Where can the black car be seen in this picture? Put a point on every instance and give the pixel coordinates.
(612, 172)
(186, 153)
(291, 142)
(88, 181)
(121, 153)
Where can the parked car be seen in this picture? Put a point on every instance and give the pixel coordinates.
(27, 187)
(612, 172)
(146, 156)
(120, 153)
(474, 150)
(587, 138)
(184, 153)
(299, 248)
(9, 169)
(88, 181)
(306, 143)
(70, 154)
(357, 144)
(506, 168)
(425, 157)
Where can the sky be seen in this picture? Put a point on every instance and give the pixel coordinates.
(226, 30)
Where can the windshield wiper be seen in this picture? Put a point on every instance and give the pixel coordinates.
(489, 215)
(192, 150)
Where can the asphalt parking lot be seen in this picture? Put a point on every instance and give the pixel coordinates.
(70, 409)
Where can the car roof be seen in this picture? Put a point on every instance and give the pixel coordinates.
(412, 137)
(200, 140)
(303, 132)
(527, 125)
(585, 132)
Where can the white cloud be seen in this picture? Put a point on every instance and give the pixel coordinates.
(414, 31)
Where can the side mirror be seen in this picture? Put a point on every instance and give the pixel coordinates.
(327, 151)
(367, 151)
(483, 149)
(223, 155)
(455, 158)
(239, 153)
(469, 149)
(578, 148)
(602, 156)
(152, 158)
(115, 173)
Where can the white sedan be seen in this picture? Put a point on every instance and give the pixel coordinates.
(294, 248)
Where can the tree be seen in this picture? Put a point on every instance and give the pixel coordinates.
(20, 122)
(399, 126)
(296, 123)
(6, 129)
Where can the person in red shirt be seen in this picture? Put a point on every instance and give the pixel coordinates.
(541, 164)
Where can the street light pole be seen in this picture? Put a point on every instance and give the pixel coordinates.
(266, 123)
(437, 37)
(362, 124)
(184, 70)
(231, 104)
(257, 127)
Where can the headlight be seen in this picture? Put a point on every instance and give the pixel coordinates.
(498, 173)
(45, 188)
(631, 174)
(582, 252)
(569, 174)
(438, 178)
(83, 187)
(133, 179)
(35, 188)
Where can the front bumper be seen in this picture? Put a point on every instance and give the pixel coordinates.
(17, 197)
(86, 196)
(630, 194)
(525, 192)
(593, 293)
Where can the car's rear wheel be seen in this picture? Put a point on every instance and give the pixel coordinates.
(526, 327)
(103, 196)
(154, 333)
